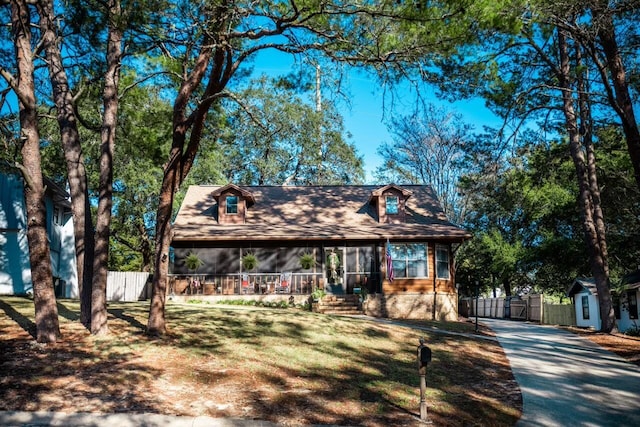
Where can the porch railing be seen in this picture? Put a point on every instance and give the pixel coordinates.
(245, 283)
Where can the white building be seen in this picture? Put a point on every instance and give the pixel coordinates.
(625, 301)
(15, 268)
(585, 296)
(627, 315)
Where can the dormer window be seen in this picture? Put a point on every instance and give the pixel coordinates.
(392, 205)
(232, 204)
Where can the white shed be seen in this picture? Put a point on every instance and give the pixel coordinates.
(585, 295)
(629, 297)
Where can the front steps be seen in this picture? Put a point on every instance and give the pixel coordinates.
(338, 304)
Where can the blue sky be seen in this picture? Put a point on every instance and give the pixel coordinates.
(364, 117)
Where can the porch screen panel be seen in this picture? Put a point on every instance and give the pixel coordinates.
(358, 265)
(267, 259)
(359, 259)
(290, 259)
(224, 260)
(215, 260)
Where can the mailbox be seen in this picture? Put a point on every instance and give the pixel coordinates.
(424, 354)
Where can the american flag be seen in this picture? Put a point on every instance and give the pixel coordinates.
(389, 263)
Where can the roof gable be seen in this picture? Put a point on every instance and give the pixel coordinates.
(232, 188)
(380, 191)
(583, 284)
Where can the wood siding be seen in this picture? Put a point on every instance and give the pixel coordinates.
(423, 285)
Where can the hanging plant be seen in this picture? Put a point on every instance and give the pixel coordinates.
(249, 261)
(307, 261)
(193, 261)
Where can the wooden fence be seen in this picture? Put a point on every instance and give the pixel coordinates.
(559, 314)
(530, 308)
(128, 286)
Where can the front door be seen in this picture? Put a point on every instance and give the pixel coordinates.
(334, 270)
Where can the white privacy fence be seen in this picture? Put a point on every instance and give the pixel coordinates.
(128, 286)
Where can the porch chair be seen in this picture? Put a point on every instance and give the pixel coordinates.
(246, 285)
(284, 287)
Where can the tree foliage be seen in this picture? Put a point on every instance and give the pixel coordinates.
(277, 137)
(428, 148)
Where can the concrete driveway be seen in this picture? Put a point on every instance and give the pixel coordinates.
(567, 380)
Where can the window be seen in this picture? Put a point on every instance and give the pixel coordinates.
(616, 308)
(232, 204)
(633, 305)
(585, 307)
(442, 262)
(57, 215)
(392, 205)
(409, 260)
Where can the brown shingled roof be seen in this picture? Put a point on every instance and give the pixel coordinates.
(313, 213)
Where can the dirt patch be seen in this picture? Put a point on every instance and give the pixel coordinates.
(625, 346)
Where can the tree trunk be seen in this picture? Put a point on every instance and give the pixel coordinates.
(72, 149)
(174, 172)
(46, 310)
(586, 127)
(597, 259)
(156, 325)
(586, 130)
(622, 103)
(506, 283)
(107, 149)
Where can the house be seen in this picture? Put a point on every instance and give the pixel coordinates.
(15, 268)
(585, 295)
(253, 240)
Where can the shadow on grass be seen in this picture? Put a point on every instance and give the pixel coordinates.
(68, 314)
(305, 368)
(23, 321)
(382, 384)
(76, 373)
(120, 314)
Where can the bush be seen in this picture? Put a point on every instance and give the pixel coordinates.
(318, 293)
(268, 304)
(197, 301)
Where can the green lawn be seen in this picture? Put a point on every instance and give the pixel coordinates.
(284, 365)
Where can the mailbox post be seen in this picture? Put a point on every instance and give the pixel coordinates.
(424, 357)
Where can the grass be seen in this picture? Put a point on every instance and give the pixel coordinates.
(288, 366)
